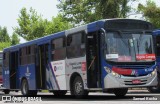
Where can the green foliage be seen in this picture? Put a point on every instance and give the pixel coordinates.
(4, 37)
(4, 45)
(32, 25)
(151, 12)
(77, 11)
(15, 39)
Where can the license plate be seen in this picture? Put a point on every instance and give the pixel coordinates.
(136, 81)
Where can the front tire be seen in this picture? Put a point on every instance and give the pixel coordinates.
(77, 88)
(155, 89)
(120, 92)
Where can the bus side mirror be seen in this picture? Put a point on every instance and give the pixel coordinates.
(102, 35)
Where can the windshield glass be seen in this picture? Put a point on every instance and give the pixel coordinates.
(129, 47)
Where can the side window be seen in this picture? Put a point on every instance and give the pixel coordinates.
(58, 49)
(23, 56)
(76, 45)
(32, 54)
(27, 55)
(6, 59)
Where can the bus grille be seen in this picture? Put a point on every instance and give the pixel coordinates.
(133, 66)
(135, 75)
(129, 82)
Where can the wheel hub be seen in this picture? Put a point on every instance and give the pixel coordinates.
(78, 87)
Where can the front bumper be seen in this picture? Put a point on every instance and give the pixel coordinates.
(111, 81)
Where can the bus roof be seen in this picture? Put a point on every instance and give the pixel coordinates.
(46, 39)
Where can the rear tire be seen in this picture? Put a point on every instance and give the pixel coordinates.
(77, 88)
(25, 89)
(120, 92)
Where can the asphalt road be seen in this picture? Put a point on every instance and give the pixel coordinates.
(132, 97)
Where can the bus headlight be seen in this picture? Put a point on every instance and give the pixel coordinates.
(115, 74)
(108, 70)
(154, 72)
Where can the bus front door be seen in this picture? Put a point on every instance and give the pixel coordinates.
(13, 66)
(41, 63)
(93, 70)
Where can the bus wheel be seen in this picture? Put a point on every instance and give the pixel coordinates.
(120, 92)
(77, 88)
(155, 89)
(6, 91)
(59, 93)
(25, 87)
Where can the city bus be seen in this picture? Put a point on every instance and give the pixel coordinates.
(109, 55)
(156, 34)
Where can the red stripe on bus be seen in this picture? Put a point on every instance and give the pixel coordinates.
(122, 71)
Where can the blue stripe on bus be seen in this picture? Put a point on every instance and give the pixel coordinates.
(54, 76)
(50, 84)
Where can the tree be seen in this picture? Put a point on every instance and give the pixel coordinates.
(4, 45)
(15, 39)
(151, 12)
(77, 11)
(32, 25)
(4, 37)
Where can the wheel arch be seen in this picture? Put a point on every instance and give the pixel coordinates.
(73, 76)
(23, 78)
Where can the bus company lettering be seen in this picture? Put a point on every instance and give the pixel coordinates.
(78, 65)
(57, 63)
(149, 70)
(145, 56)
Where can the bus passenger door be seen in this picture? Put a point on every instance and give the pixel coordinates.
(13, 66)
(41, 63)
(93, 69)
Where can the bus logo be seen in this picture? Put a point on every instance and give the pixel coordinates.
(27, 72)
(55, 68)
(134, 72)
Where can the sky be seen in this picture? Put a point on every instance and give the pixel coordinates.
(10, 9)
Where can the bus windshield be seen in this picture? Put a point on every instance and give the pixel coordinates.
(129, 47)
